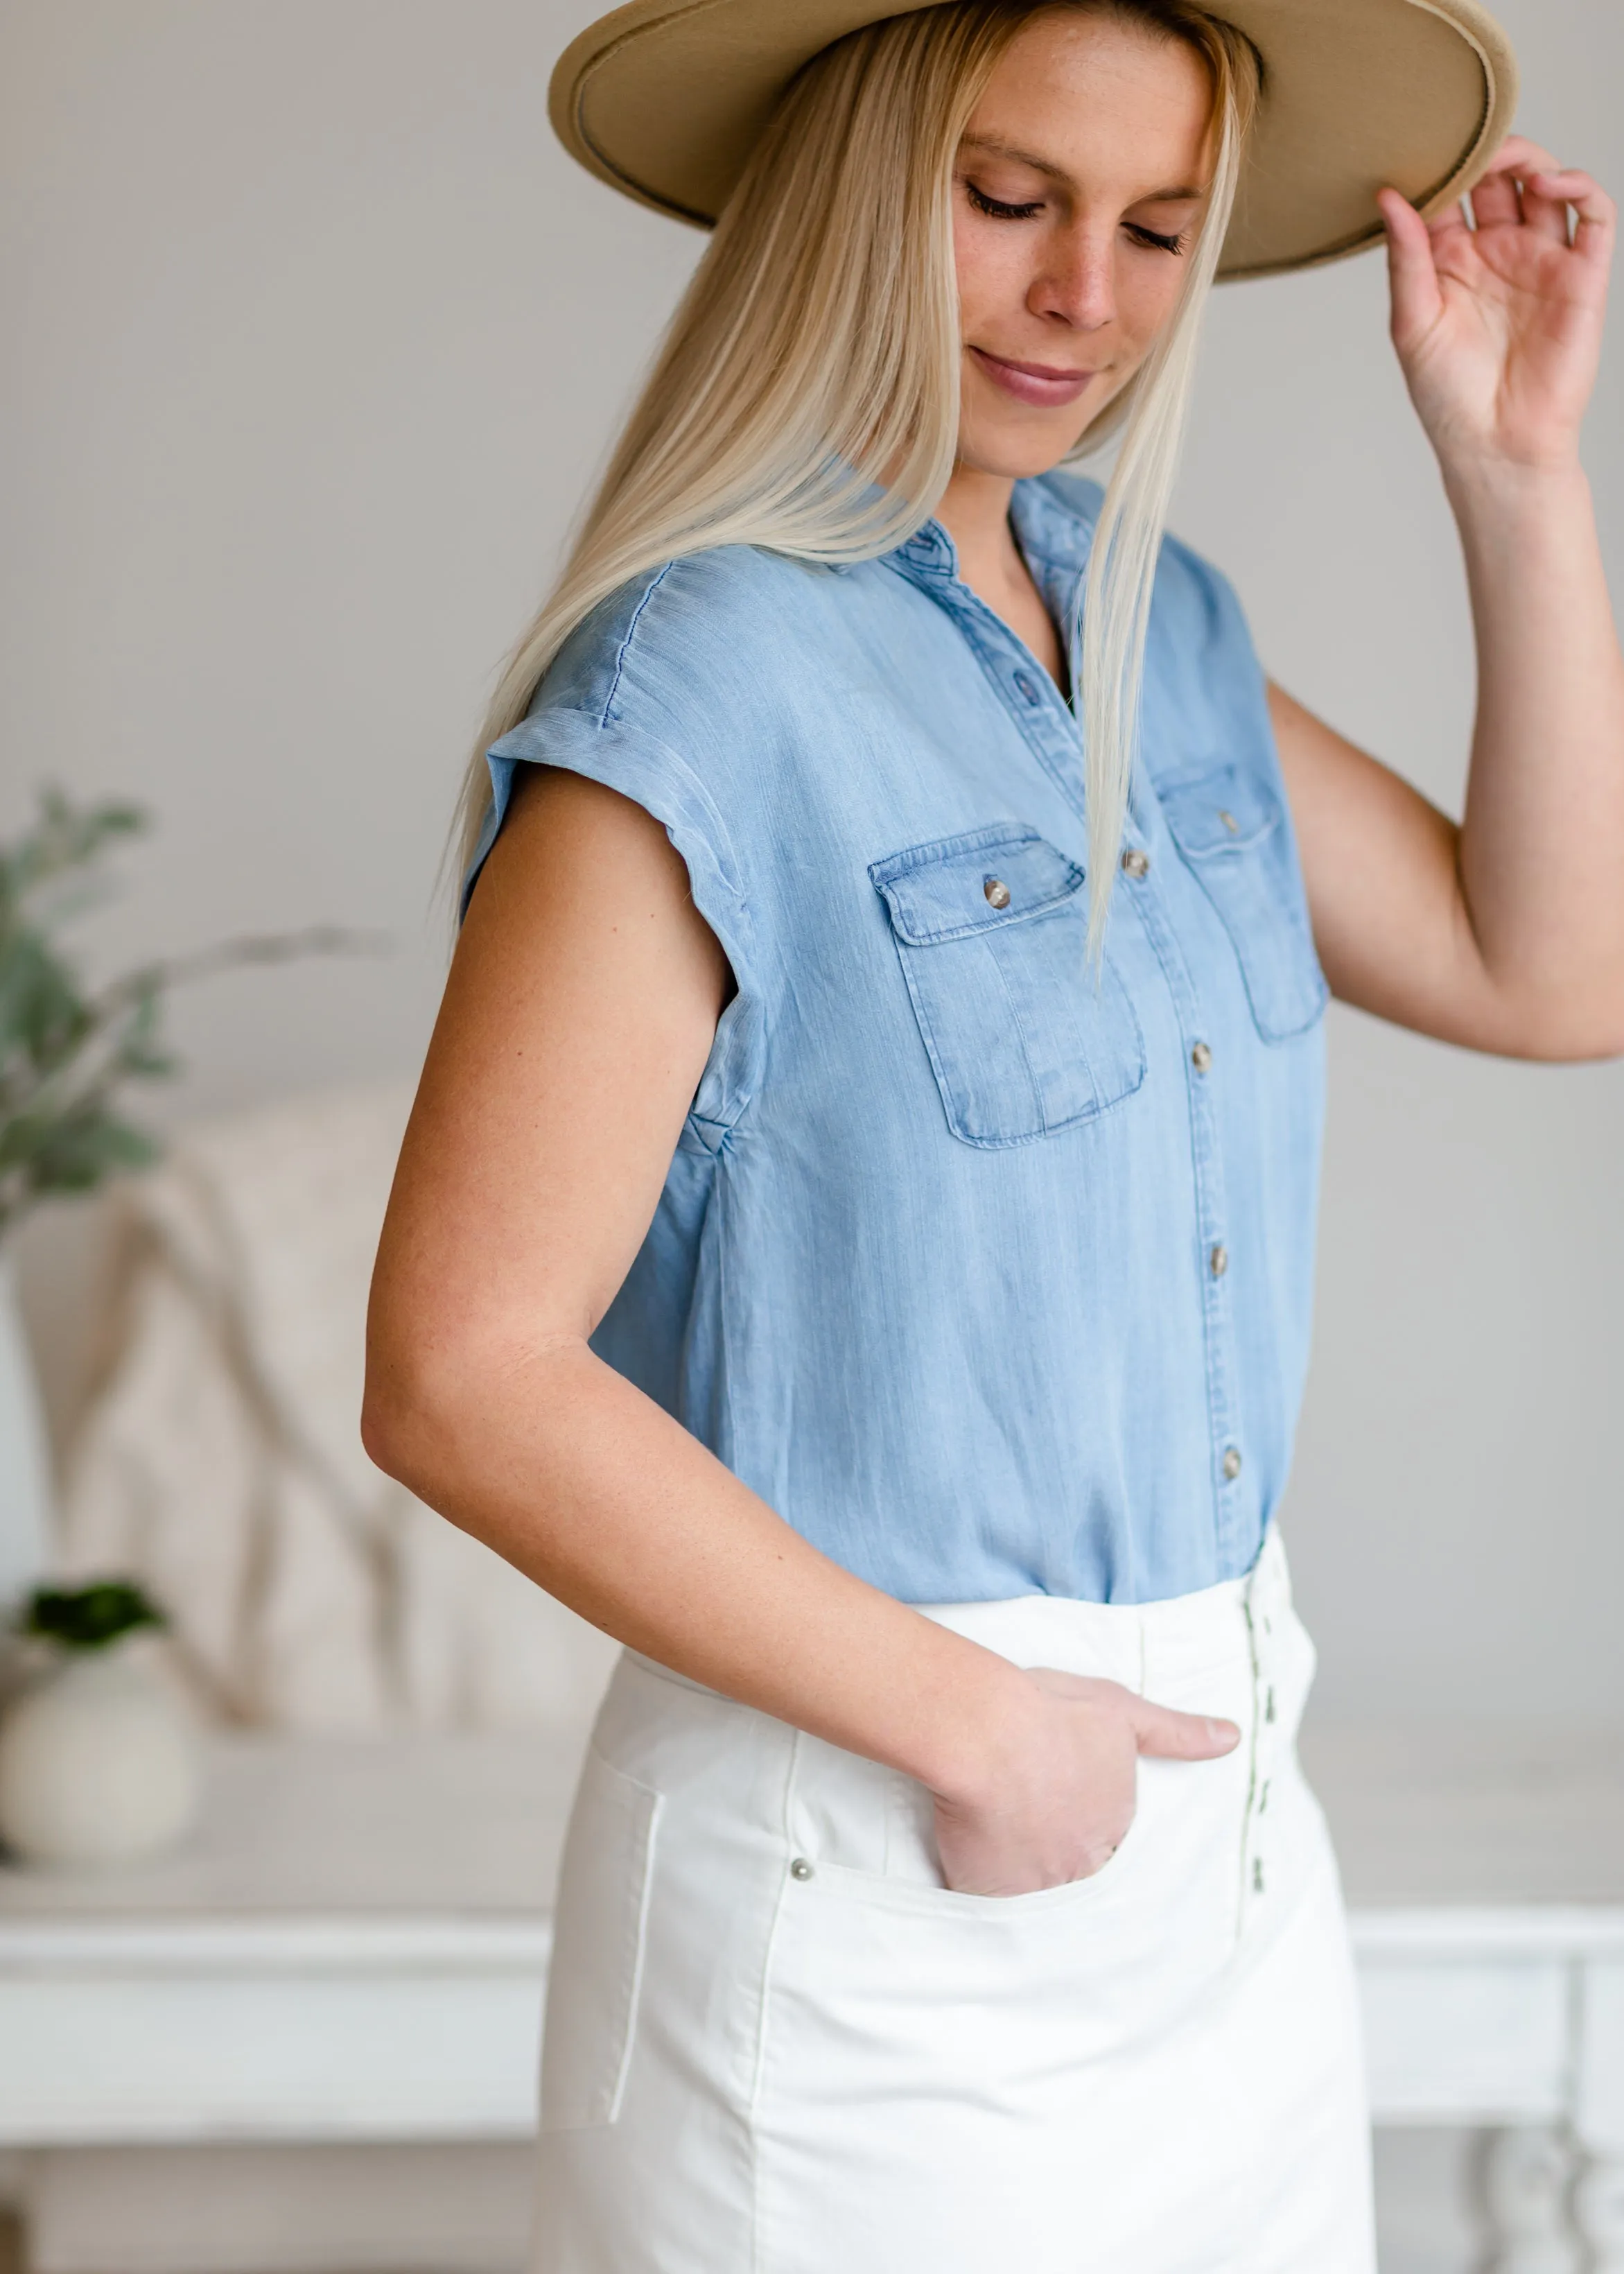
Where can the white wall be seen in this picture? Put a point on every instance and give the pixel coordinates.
(316, 336)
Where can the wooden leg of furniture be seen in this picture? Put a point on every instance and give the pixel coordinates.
(1525, 2186)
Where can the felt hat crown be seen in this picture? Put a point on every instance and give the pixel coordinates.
(665, 99)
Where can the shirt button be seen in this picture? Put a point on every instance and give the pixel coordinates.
(1220, 1261)
(1025, 688)
(997, 892)
(1231, 1462)
(1136, 861)
(1229, 820)
(1201, 1058)
(800, 1869)
(1257, 1875)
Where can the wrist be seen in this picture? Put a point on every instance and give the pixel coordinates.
(988, 1723)
(1480, 482)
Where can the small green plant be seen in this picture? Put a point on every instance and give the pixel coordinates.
(89, 1617)
(68, 1050)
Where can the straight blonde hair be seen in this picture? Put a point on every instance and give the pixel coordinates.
(806, 396)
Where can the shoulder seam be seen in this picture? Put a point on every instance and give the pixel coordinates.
(630, 634)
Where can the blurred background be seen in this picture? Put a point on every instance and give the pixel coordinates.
(316, 340)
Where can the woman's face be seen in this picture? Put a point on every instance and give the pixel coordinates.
(1077, 193)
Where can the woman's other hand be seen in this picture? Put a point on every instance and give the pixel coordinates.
(1499, 327)
(1058, 1803)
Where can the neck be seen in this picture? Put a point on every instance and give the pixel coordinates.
(975, 513)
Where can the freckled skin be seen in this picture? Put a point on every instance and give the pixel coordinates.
(1070, 255)
(1073, 278)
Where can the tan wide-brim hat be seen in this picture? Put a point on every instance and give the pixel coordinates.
(665, 100)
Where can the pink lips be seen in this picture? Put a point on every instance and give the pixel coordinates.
(1037, 383)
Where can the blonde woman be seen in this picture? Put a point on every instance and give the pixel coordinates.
(853, 1239)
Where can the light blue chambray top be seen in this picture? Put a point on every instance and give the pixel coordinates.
(992, 1283)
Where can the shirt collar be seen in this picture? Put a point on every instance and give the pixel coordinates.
(1054, 517)
(1054, 521)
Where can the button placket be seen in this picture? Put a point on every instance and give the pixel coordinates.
(1229, 1506)
(1028, 697)
(1266, 1604)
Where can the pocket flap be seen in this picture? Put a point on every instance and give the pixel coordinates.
(1224, 811)
(959, 886)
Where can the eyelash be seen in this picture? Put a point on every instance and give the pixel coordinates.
(997, 210)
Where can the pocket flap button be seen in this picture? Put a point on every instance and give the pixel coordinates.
(997, 892)
(800, 1869)
(1229, 820)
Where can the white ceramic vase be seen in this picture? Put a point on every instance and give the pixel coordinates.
(98, 1764)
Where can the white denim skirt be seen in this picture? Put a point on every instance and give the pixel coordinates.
(776, 2044)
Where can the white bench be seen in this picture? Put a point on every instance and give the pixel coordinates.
(353, 1947)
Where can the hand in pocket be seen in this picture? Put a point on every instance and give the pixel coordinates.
(1056, 1802)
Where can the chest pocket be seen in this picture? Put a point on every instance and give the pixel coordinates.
(990, 929)
(1231, 831)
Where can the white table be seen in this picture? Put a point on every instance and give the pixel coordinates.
(354, 1945)
(1485, 1871)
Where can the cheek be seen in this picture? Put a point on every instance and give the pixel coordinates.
(1148, 290)
(990, 269)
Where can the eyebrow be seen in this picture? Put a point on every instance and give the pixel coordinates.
(1183, 194)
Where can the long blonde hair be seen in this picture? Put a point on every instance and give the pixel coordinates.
(806, 396)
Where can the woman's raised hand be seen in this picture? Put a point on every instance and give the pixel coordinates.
(1061, 1800)
(1499, 326)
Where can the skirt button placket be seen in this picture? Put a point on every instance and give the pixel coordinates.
(1261, 1622)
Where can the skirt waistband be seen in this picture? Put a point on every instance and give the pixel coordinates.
(1144, 1646)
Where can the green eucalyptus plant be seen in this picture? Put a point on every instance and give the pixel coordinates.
(90, 1617)
(68, 1050)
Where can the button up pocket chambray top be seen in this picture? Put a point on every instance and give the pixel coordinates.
(991, 1278)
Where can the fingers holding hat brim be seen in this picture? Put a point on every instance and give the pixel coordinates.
(1505, 197)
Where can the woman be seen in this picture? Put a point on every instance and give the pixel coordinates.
(853, 1239)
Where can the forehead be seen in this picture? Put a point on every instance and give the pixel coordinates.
(1093, 94)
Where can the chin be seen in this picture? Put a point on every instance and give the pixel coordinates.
(1018, 456)
(1010, 445)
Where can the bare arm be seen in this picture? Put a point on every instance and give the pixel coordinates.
(1505, 932)
(577, 1018)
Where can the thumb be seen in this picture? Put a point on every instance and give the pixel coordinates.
(1412, 272)
(1181, 1736)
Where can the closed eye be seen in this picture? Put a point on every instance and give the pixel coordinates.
(1153, 237)
(996, 208)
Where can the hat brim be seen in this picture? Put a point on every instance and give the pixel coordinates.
(665, 100)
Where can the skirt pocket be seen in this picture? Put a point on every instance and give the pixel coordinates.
(913, 1865)
(596, 1974)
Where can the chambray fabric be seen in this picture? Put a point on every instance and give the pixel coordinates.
(986, 1276)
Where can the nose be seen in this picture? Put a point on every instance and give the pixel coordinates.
(1077, 284)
